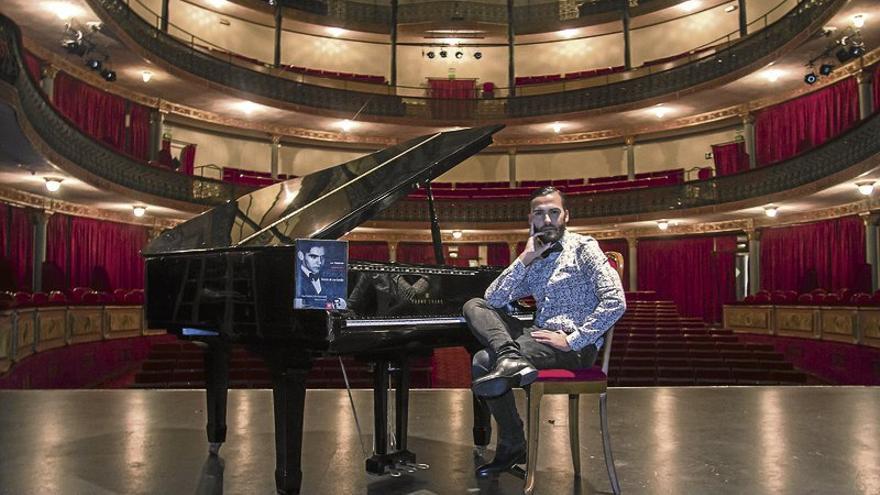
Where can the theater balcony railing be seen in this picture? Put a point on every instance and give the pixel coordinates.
(63, 138)
(853, 149)
(727, 60)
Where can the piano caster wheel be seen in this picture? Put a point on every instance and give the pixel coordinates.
(214, 447)
(395, 473)
(480, 451)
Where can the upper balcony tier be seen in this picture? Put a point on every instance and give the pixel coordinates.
(725, 61)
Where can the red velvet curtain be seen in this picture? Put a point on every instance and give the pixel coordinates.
(498, 254)
(56, 241)
(795, 126)
(466, 252)
(187, 159)
(16, 232)
(97, 113)
(368, 251)
(34, 66)
(140, 132)
(106, 253)
(877, 87)
(730, 158)
(696, 273)
(452, 98)
(828, 255)
(416, 253)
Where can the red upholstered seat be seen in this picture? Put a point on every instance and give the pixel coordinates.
(22, 298)
(805, 299)
(76, 294)
(90, 297)
(57, 297)
(119, 295)
(39, 298)
(7, 300)
(860, 298)
(593, 374)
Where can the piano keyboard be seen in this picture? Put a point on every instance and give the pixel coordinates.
(420, 321)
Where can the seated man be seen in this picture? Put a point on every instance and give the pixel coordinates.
(578, 295)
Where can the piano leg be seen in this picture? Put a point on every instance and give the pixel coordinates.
(289, 394)
(216, 389)
(384, 462)
(401, 401)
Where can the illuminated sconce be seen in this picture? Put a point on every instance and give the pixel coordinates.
(663, 224)
(865, 188)
(771, 211)
(146, 76)
(52, 184)
(456, 234)
(139, 211)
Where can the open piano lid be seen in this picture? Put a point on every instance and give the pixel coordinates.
(326, 204)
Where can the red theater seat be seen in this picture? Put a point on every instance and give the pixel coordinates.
(91, 297)
(860, 299)
(39, 299)
(7, 300)
(57, 297)
(135, 296)
(119, 295)
(22, 298)
(805, 299)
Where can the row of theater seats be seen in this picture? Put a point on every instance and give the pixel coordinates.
(84, 296)
(348, 76)
(843, 297)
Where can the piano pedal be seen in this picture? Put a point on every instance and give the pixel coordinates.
(214, 447)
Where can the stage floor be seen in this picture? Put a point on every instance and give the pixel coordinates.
(724, 440)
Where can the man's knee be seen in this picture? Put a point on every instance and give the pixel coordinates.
(481, 364)
(473, 306)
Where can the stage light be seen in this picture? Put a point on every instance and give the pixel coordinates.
(557, 127)
(52, 184)
(856, 51)
(247, 107)
(772, 75)
(567, 33)
(659, 111)
(139, 211)
(811, 78)
(75, 47)
(663, 225)
(94, 64)
(64, 10)
(843, 55)
(335, 31)
(108, 75)
(431, 55)
(443, 54)
(730, 8)
(456, 234)
(771, 211)
(347, 125)
(458, 55)
(146, 76)
(478, 55)
(865, 188)
(689, 5)
(858, 21)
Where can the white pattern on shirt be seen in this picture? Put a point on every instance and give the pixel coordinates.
(575, 290)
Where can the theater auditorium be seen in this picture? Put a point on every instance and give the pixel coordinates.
(176, 174)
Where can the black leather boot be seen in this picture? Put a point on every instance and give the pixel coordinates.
(511, 370)
(505, 458)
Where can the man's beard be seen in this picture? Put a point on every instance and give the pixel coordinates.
(550, 235)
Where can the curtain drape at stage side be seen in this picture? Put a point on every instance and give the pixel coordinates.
(187, 159)
(452, 98)
(34, 66)
(730, 158)
(369, 251)
(57, 241)
(827, 255)
(16, 232)
(696, 273)
(498, 254)
(790, 128)
(140, 132)
(877, 87)
(416, 253)
(97, 113)
(106, 254)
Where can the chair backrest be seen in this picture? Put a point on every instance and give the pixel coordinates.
(616, 260)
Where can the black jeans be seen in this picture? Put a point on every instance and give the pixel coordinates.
(493, 328)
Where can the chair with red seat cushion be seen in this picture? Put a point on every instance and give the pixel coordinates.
(22, 298)
(7, 300)
(749, 299)
(845, 295)
(572, 383)
(135, 296)
(805, 299)
(39, 298)
(778, 297)
(819, 298)
(57, 297)
(119, 295)
(791, 296)
(762, 298)
(90, 297)
(76, 294)
(860, 299)
(831, 298)
(818, 291)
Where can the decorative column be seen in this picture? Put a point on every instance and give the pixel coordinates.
(392, 251)
(157, 128)
(164, 18)
(743, 18)
(627, 45)
(865, 79)
(39, 219)
(871, 245)
(279, 20)
(630, 157)
(754, 281)
(275, 155)
(47, 82)
(511, 166)
(511, 69)
(631, 262)
(748, 121)
(393, 78)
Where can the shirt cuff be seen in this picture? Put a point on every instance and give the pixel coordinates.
(572, 340)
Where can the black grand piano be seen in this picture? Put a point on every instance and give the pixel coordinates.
(227, 278)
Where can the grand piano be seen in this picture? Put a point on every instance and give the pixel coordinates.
(227, 277)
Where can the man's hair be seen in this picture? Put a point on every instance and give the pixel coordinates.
(546, 191)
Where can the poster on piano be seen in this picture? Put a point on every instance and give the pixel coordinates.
(321, 274)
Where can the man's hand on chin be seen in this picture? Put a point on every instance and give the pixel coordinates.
(554, 339)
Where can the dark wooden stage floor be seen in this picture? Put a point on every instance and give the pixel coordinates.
(740, 440)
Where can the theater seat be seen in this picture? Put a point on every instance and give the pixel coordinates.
(39, 299)
(57, 297)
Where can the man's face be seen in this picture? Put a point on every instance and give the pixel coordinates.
(313, 259)
(548, 217)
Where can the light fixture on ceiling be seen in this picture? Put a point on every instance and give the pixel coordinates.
(557, 127)
(689, 5)
(52, 184)
(771, 211)
(108, 75)
(478, 55)
(459, 54)
(457, 234)
(139, 210)
(146, 76)
(443, 53)
(772, 75)
(567, 33)
(247, 107)
(335, 31)
(217, 3)
(663, 224)
(865, 187)
(858, 21)
(94, 64)
(826, 69)
(347, 125)
(453, 254)
(730, 8)
(64, 10)
(431, 54)
(811, 78)
(660, 111)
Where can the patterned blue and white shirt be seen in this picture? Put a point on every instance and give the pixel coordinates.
(576, 290)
